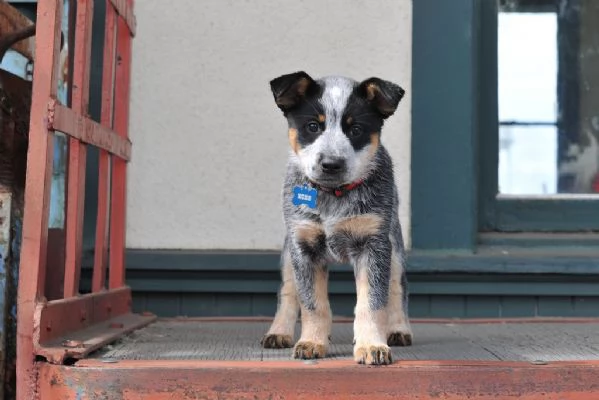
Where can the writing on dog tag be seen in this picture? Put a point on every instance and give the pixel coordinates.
(304, 195)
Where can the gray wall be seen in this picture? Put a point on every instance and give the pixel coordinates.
(209, 144)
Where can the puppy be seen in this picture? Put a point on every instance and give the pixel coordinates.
(340, 205)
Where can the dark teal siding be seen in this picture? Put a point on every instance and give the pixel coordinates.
(174, 283)
(421, 306)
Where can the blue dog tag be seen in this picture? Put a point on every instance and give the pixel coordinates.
(304, 195)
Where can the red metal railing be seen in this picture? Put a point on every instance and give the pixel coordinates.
(74, 325)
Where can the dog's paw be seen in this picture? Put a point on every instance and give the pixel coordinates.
(399, 339)
(275, 341)
(309, 350)
(373, 354)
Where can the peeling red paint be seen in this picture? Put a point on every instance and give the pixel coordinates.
(72, 325)
(335, 380)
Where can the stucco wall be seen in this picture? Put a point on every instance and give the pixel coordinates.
(210, 146)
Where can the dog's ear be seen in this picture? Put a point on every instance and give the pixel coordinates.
(289, 89)
(384, 95)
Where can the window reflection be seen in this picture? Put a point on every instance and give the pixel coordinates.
(548, 66)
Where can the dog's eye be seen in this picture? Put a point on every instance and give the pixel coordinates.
(313, 127)
(356, 130)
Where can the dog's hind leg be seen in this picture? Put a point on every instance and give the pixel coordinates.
(399, 330)
(280, 334)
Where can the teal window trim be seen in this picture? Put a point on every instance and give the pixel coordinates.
(444, 124)
(455, 158)
(544, 215)
(501, 256)
(515, 213)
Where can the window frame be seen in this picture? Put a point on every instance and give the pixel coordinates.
(559, 213)
(455, 149)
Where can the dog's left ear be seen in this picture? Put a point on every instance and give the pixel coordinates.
(384, 95)
(289, 89)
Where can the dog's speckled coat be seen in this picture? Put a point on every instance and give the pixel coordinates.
(334, 131)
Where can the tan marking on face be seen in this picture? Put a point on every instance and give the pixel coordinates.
(375, 140)
(321, 118)
(293, 140)
(302, 85)
(308, 232)
(349, 120)
(371, 90)
(362, 225)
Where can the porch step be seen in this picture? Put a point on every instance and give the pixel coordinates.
(330, 379)
(450, 360)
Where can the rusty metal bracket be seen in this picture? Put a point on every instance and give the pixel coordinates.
(77, 345)
(64, 119)
(74, 327)
(56, 318)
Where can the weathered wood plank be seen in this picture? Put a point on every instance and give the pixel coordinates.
(333, 380)
(204, 340)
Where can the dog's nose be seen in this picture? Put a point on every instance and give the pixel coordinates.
(332, 165)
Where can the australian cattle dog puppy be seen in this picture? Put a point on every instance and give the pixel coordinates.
(340, 205)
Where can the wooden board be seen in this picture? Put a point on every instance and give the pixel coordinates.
(236, 341)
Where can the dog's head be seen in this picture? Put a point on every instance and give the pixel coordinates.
(335, 123)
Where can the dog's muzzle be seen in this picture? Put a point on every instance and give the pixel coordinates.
(332, 165)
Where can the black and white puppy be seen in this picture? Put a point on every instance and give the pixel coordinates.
(340, 205)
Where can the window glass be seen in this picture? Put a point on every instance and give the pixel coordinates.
(548, 96)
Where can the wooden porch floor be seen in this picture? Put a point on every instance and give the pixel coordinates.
(449, 360)
(240, 341)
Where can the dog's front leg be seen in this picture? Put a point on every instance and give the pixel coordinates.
(372, 269)
(307, 251)
(311, 281)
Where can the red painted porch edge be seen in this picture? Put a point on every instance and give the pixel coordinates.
(335, 380)
(329, 364)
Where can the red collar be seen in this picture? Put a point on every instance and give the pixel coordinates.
(341, 190)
